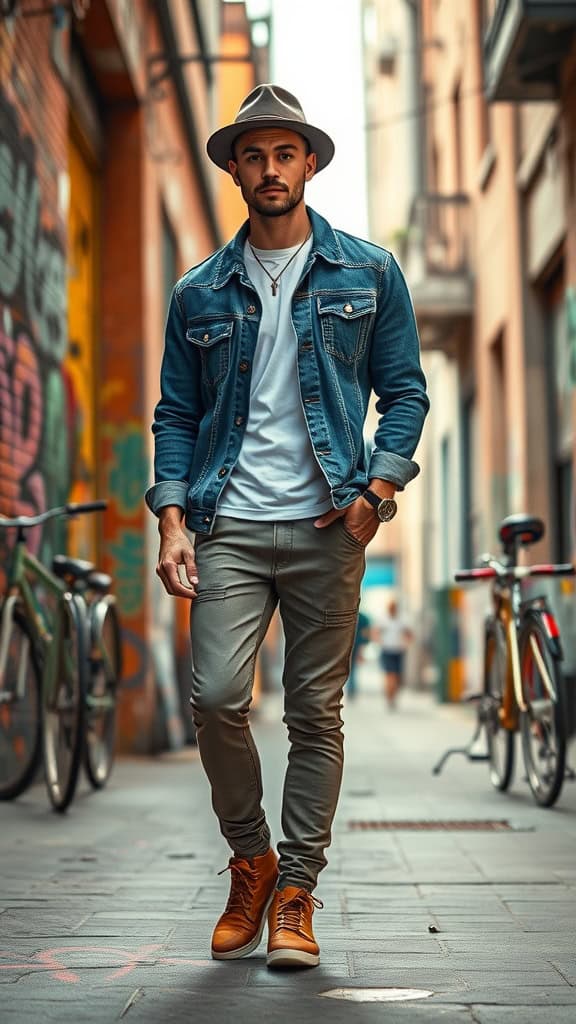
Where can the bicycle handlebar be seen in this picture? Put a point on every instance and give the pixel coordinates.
(72, 509)
(517, 572)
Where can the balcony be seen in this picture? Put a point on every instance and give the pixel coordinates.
(524, 47)
(438, 269)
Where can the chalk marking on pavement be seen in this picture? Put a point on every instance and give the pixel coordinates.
(50, 960)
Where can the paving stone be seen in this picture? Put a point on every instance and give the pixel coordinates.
(112, 907)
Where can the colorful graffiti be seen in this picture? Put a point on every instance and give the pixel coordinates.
(35, 454)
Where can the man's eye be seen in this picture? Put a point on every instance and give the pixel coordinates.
(285, 156)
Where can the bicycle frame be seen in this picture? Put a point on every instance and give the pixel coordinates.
(19, 588)
(47, 641)
(505, 603)
(507, 606)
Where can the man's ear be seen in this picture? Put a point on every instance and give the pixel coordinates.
(310, 166)
(233, 168)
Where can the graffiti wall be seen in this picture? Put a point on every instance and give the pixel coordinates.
(36, 404)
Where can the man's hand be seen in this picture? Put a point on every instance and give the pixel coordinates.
(176, 563)
(360, 518)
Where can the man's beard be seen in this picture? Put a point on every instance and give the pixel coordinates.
(276, 207)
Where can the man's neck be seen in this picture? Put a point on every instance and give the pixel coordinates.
(279, 232)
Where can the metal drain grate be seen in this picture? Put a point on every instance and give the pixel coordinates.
(430, 826)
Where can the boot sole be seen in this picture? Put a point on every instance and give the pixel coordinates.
(292, 958)
(237, 954)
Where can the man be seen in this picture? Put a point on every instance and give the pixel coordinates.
(272, 348)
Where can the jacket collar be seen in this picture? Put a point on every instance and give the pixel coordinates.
(230, 259)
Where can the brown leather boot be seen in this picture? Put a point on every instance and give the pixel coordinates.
(291, 941)
(252, 885)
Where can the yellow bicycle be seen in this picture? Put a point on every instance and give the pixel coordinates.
(523, 686)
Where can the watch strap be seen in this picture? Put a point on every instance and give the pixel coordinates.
(373, 498)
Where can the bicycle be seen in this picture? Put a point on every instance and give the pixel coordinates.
(104, 661)
(43, 669)
(523, 687)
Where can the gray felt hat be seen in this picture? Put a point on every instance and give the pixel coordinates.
(269, 106)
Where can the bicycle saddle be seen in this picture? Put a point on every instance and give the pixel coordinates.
(99, 581)
(522, 528)
(63, 566)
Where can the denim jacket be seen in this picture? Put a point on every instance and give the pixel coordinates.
(356, 333)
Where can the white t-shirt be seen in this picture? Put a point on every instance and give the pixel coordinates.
(276, 475)
(393, 633)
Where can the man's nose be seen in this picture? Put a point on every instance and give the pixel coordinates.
(269, 169)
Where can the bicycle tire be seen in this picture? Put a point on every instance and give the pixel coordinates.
(500, 740)
(105, 675)
(543, 725)
(20, 718)
(63, 709)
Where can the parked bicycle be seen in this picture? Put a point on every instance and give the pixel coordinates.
(44, 668)
(523, 687)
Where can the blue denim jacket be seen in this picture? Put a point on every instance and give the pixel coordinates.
(356, 333)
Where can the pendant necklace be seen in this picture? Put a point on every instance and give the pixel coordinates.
(275, 280)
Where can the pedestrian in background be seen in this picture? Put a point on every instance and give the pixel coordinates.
(272, 348)
(394, 635)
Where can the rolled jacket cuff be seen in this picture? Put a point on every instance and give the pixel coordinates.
(167, 492)
(395, 468)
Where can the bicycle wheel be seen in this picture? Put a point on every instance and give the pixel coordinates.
(106, 670)
(543, 724)
(20, 732)
(64, 688)
(500, 740)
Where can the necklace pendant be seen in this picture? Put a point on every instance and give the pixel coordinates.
(274, 287)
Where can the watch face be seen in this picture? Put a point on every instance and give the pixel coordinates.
(387, 510)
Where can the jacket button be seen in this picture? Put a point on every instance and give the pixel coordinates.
(348, 308)
(251, 309)
(222, 472)
(206, 337)
(243, 366)
(239, 421)
(206, 519)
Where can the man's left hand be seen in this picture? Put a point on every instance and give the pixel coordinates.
(360, 520)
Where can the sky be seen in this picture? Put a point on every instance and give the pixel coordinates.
(316, 54)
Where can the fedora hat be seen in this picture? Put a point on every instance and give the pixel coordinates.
(269, 106)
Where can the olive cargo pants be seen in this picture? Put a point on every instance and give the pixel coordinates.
(246, 569)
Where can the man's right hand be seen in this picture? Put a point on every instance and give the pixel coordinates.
(176, 563)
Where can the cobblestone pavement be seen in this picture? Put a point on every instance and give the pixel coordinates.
(106, 913)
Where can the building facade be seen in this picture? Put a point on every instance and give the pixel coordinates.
(488, 248)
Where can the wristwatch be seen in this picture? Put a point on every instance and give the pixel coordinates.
(386, 508)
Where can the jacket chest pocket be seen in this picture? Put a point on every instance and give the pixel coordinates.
(212, 341)
(345, 323)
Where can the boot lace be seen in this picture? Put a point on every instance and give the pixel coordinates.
(242, 885)
(290, 912)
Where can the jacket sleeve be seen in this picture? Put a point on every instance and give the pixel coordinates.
(397, 380)
(177, 414)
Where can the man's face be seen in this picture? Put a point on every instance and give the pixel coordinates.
(271, 167)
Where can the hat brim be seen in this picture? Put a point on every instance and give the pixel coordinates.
(219, 145)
